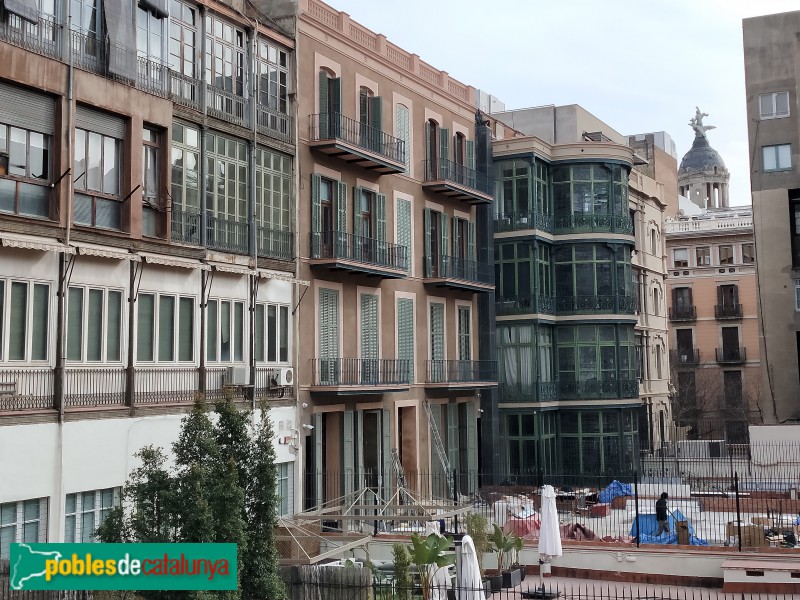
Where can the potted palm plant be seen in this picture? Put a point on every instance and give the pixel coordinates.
(429, 556)
(519, 544)
(504, 545)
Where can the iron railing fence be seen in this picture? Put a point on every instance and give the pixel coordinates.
(684, 356)
(26, 389)
(682, 313)
(588, 223)
(360, 371)
(360, 249)
(453, 172)
(455, 267)
(94, 387)
(227, 106)
(42, 37)
(526, 304)
(185, 226)
(185, 90)
(728, 311)
(461, 371)
(228, 235)
(727, 355)
(274, 123)
(275, 243)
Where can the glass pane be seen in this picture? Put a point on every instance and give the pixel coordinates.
(782, 103)
(93, 170)
(39, 160)
(2, 315)
(108, 214)
(17, 330)
(211, 329)
(75, 324)
(769, 158)
(17, 161)
(283, 341)
(259, 333)
(145, 327)
(69, 505)
(225, 332)
(113, 320)
(40, 326)
(34, 200)
(87, 527)
(238, 332)
(30, 510)
(166, 328)
(186, 330)
(272, 331)
(80, 159)
(784, 156)
(94, 326)
(30, 532)
(69, 527)
(766, 105)
(110, 166)
(83, 210)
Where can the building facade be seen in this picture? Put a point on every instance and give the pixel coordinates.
(568, 320)
(394, 188)
(147, 224)
(771, 84)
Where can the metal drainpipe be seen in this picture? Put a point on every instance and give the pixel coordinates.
(253, 237)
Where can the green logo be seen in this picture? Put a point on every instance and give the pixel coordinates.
(123, 567)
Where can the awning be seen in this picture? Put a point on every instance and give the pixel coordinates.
(32, 242)
(173, 261)
(264, 274)
(105, 252)
(229, 268)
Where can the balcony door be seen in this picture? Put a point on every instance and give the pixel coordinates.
(328, 336)
(730, 343)
(728, 296)
(685, 345)
(369, 339)
(436, 372)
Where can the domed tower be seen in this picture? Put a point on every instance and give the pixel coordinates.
(702, 176)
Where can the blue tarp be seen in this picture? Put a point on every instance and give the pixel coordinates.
(614, 489)
(648, 526)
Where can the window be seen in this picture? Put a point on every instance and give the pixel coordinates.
(794, 219)
(640, 356)
(182, 41)
(590, 276)
(369, 332)
(464, 328)
(272, 333)
(654, 243)
(185, 184)
(43, 33)
(726, 255)
(582, 190)
(437, 331)
(403, 132)
(85, 512)
(22, 522)
(165, 328)
(773, 105)
(24, 171)
(94, 318)
(24, 313)
(226, 193)
(273, 204)
(703, 255)
(87, 20)
(150, 182)
(797, 295)
(97, 169)
(748, 253)
(596, 356)
(680, 257)
(225, 327)
(284, 488)
(273, 76)
(149, 41)
(225, 58)
(405, 333)
(777, 158)
(403, 222)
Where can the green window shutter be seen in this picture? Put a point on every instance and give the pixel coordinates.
(456, 222)
(211, 331)
(329, 323)
(348, 453)
(464, 347)
(444, 249)
(472, 449)
(145, 326)
(444, 145)
(340, 208)
(316, 183)
(403, 133)
(363, 106)
(380, 217)
(403, 209)
(94, 326)
(452, 436)
(437, 331)
(376, 114)
(360, 482)
(259, 333)
(405, 333)
(357, 199)
(75, 324)
(430, 168)
(471, 154)
(369, 326)
(186, 329)
(386, 452)
(113, 326)
(319, 465)
(324, 106)
(428, 249)
(166, 328)
(471, 242)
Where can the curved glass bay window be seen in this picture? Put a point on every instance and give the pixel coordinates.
(596, 361)
(591, 197)
(594, 278)
(532, 445)
(525, 358)
(599, 442)
(523, 195)
(524, 278)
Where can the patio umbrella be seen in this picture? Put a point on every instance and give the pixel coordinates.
(549, 534)
(469, 584)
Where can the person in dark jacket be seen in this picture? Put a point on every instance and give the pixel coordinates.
(661, 515)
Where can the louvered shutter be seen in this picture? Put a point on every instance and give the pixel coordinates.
(324, 105)
(386, 451)
(27, 109)
(340, 219)
(428, 249)
(405, 333)
(380, 217)
(464, 349)
(335, 99)
(437, 469)
(318, 434)
(376, 121)
(472, 449)
(99, 122)
(360, 481)
(471, 154)
(348, 455)
(430, 167)
(437, 332)
(452, 436)
(369, 338)
(403, 209)
(471, 242)
(363, 107)
(456, 222)
(403, 133)
(357, 223)
(443, 269)
(329, 335)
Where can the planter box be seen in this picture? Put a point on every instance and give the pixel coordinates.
(512, 578)
(495, 583)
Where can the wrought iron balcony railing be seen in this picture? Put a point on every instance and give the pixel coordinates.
(226, 106)
(335, 126)
(594, 388)
(42, 37)
(682, 313)
(461, 371)
(728, 311)
(448, 170)
(228, 235)
(453, 267)
(360, 371)
(274, 123)
(185, 90)
(526, 304)
(580, 223)
(542, 391)
(601, 304)
(684, 356)
(523, 220)
(185, 226)
(275, 243)
(345, 246)
(731, 355)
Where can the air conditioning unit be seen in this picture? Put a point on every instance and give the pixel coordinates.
(286, 377)
(237, 376)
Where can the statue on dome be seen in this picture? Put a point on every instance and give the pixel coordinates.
(696, 123)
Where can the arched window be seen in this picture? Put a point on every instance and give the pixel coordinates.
(432, 141)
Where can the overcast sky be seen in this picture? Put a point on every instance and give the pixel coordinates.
(639, 65)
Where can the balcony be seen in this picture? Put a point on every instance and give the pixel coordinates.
(682, 313)
(457, 181)
(227, 235)
(728, 311)
(185, 226)
(542, 391)
(185, 90)
(458, 273)
(596, 389)
(26, 390)
(592, 223)
(42, 37)
(456, 374)
(275, 243)
(274, 123)
(226, 106)
(731, 356)
(684, 357)
(341, 250)
(357, 143)
(523, 220)
(360, 375)
(525, 305)
(596, 304)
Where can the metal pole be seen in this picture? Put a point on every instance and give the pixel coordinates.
(738, 509)
(636, 503)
